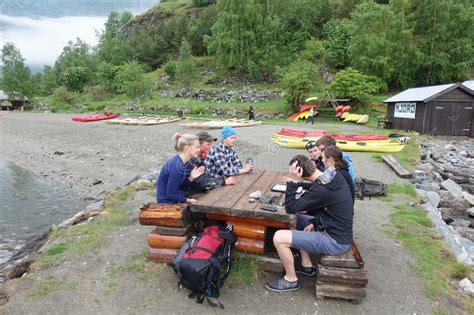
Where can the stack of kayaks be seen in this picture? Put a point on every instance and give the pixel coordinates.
(144, 120)
(357, 118)
(291, 138)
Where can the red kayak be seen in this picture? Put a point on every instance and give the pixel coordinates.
(95, 118)
(301, 133)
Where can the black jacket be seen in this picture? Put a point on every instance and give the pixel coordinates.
(334, 209)
(344, 171)
(206, 181)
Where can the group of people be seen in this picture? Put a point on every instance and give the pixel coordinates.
(199, 166)
(319, 190)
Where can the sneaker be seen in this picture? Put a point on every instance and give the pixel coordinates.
(305, 271)
(282, 285)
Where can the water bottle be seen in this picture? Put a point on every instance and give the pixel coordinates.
(249, 161)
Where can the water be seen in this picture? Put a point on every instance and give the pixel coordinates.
(29, 205)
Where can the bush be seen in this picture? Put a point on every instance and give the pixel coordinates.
(170, 69)
(106, 74)
(300, 78)
(131, 81)
(74, 78)
(62, 98)
(352, 84)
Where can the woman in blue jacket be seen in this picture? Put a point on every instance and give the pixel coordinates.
(175, 178)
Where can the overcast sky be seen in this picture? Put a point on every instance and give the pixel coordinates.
(41, 41)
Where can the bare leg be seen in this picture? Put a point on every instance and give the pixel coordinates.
(305, 260)
(282, 241)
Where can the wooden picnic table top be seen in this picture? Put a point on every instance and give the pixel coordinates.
(233, 200)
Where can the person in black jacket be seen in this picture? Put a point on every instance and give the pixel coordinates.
(328, 232)
(206, 182)
(332, 157)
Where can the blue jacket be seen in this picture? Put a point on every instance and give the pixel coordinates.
(173, 184)
(346, 157)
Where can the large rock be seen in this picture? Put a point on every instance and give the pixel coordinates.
(468, 197)
(451, 186)
(450, 214)
(470, 212)
(461, 222)
(450, 200)
(465, 232)
(467, 286)
(430, 197)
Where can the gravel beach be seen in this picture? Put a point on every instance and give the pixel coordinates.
(97, 158)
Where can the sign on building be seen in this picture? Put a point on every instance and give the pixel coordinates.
(405, 110)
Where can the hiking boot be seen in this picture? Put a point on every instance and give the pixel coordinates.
(282, 285)
(305, 271)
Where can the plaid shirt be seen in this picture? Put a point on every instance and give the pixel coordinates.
(222, 161)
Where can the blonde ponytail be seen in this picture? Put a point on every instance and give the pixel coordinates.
(180, 141)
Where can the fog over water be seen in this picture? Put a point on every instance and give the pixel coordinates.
(42, 40)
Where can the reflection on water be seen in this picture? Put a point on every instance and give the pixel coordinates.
(29, 205)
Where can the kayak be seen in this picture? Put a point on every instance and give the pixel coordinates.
(217, 124)
(301, 133)
(388, 145)
(95, 118)
(320, 133)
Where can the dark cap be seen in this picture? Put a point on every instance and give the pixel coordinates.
(205, 136)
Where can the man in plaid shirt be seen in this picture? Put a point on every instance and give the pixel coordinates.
(222, 160)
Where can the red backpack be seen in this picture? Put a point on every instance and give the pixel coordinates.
(201, 259)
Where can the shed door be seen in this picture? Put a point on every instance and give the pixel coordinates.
(452, 118)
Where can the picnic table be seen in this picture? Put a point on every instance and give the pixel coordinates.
(251, 224)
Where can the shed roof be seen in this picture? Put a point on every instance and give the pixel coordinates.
(469, 84)
(427, 93)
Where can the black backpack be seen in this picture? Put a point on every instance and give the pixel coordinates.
(369, 188)
(203, 262)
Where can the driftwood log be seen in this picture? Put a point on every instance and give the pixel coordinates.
(165, 215)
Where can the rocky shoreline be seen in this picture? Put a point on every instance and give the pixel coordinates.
(445, 181)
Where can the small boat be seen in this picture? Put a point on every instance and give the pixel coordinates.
(217, 124)
(144, 120)
(387, 145)
(95, 118)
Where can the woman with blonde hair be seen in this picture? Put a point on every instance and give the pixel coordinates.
(175, 179)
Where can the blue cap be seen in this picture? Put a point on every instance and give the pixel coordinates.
(227, 131)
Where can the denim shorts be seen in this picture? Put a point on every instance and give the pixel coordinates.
(315, 242)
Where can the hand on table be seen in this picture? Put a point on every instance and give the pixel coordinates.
(229, 181)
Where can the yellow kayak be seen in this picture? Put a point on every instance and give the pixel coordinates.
(361, 146)
(285, 139)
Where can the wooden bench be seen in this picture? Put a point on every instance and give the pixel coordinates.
(342, 276)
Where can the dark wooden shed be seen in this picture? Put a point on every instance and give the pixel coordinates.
(438, 110)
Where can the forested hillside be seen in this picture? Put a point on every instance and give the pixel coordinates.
(353, 48)
(56, 8)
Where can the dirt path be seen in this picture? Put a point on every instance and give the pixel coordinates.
(104, 281)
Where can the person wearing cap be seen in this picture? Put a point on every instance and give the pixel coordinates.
(315, 154)
(222, 159)
(206, 181)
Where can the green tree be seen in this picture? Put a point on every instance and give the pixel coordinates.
(16, 76)
(234, 35)
(199, 27)
(299, 80)
(49, 82)
(74, 78)
(114, 46)
(337, 33)
(76, 54)
(131, 81)
(446, 33)
(185, 66)
(352, 84)
(106, 74)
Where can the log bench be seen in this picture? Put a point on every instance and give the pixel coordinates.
(343, 276)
